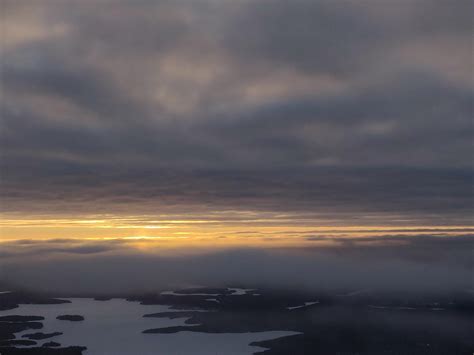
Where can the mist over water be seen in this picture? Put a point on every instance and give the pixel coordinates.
(423, 264)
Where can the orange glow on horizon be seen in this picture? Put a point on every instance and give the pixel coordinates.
(226, 229)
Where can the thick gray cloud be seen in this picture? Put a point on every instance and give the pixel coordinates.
(310, 106)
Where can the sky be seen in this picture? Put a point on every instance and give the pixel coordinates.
(244, 123)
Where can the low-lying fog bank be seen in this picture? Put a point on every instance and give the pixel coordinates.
(390, 263)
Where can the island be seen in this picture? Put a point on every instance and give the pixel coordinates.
(70, 317)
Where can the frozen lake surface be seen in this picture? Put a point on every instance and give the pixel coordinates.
(115, 327)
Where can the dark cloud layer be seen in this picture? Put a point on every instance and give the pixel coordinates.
(270, 105)
(409, 196)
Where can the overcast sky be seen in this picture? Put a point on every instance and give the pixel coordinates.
(342, 108)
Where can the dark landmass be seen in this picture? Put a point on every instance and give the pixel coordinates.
(41, 336)
(7, 329)
(16, 343)
(349, 322)
(13, 299)
(269, 300)
(177, 302)
(358, 322)
(51, 344)
(20, 318)
(454, 302)
(350, 341)
(171, 315)
(205, 290)
(71, 317)
(72, 350)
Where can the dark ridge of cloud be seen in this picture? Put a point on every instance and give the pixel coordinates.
(84, 249)
(44, 248)
(85, 87)
(439, 231)
(434, 264)
(409, 243)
